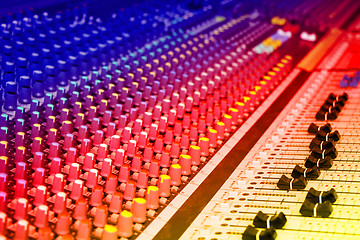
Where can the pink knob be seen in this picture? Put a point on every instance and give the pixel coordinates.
(175, 174)
(204, 146)
(60, 202)
(194, 152)
(63, 223)
(152, 197)
(89, 162)
(58, 183)
(93, 178)
(164, 185)
(212, 135)
(130, 189)
(96, 196)
(40, 196)
(21, 209)
(77, 189)
(101, 215)
(119, 157)
(81, 209)
(41, 216)
(116, 202)
(125, 224)
(185, 163)
(138, 210)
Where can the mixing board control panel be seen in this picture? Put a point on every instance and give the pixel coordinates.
(166, 120)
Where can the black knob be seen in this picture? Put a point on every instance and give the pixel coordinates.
(286, 183)
(321, 144)
(315, 196)
(331, 114)
(310, 209)
(335, 97)
(263, 220)
(313, 128)
(325, 136)
(322, 163)
(318, 153)
(251, 233)
(308, 173)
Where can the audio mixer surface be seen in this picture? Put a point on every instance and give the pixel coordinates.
(180, 120)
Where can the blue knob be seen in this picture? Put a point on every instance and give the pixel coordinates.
(10, 96)
(50, 79)
(62, 76)
(25, 95)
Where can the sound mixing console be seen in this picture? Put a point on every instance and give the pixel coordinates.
(167, 120)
